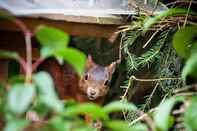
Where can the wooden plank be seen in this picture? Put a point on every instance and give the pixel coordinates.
(13, 41)
(76, 29)
(106, 20)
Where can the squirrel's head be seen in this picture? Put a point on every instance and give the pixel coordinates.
(96, 79)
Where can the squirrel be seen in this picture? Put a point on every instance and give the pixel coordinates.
(93, 86)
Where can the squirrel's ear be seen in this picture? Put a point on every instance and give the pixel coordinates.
(111, 68)
(90, 63)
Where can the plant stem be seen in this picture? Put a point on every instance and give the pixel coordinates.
(22, 63)
(21, 26)
(28, 57)
(37, 63)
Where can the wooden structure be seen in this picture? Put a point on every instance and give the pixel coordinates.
(13, 40)
(98, 22)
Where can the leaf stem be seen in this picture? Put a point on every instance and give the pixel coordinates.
(22, 63)
(28, 57)
(37, 63)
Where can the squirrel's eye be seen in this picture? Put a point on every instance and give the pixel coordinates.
(106, 82)
(86, 77)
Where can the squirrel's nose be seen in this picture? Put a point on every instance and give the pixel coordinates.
(92, 93)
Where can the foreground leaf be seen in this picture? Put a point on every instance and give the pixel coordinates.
(74, 57)
(184, 41)
(118, 106)
(190, 116)
(162, 117)
(51, 39)
(118, 125)
(47, 92)
(16, 125)
(20, 97)
(190, 68)
(60, 124)
(91, 109)
(8, 54)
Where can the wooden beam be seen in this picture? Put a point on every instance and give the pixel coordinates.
(14, 41)
(76, 29)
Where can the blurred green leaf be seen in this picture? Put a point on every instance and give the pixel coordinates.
(16, 125)
(74, 57)
(59, 124)
(171, 12)
(118, 106)
(51, 39)
(91, 109)
(20, 97)
(85, 128)
(190, 68)
(190, 116)
(118, 125)
(47, 92)
(162, 116)
(184, 41)
(62, 124)
(8, 54)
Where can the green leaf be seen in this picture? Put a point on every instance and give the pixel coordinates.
(85, 128)
(190, 116)
(190, 68)
(47, 92)
(8, 54)
(184, 41)
(91, 109)
(16, 125)
(20, 97)
(171, 12)
(118, 106)
(117, 125)
(162, 117)
(51, 39)
(74, 57)
(60, 124)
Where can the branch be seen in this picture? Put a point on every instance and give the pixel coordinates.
(37, 63)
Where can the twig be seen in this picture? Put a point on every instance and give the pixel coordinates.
(176, 2)
(120, 51)
(185, 88)
(127, 89)
(155, 7)
(187, 13)
(142, 116)
(151, 95)
(152, 80)
(186, 94)
(153, 36)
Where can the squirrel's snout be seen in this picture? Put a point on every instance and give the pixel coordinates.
(92, 93)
